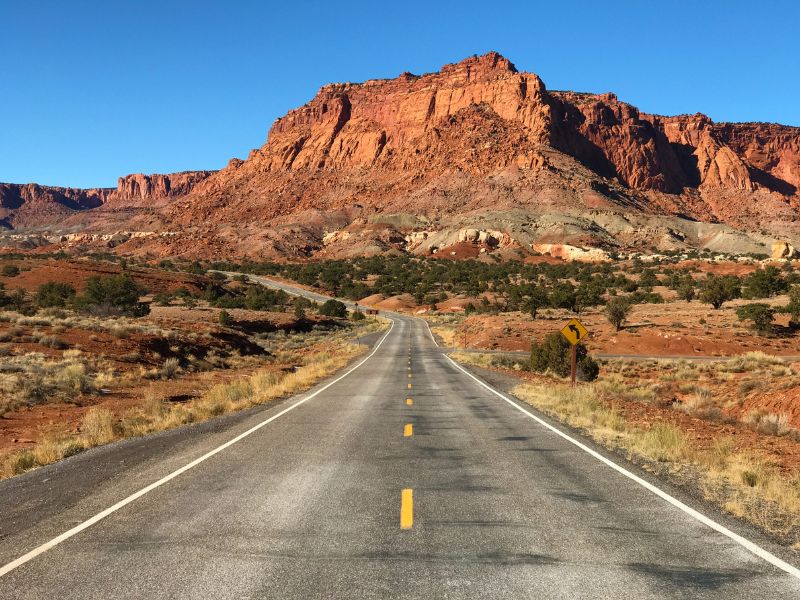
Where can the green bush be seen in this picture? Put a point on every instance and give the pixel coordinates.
(617, 310)
(718, 290)
(357, 316)
(10, 270)
(333, 308)
(225, 318)
(115, 294)
(54, 294)
(764, 283)
(759, 314)
(554, 354)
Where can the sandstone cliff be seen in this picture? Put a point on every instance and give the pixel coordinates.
(480, 133)
(478, 145)
(33, 205)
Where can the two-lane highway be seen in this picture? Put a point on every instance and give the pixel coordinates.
(405, 477)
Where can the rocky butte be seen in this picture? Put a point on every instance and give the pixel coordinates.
(412, 163)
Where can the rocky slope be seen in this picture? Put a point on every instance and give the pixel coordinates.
(411, 163)
(33, 205)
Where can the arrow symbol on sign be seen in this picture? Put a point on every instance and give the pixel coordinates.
(575, 330)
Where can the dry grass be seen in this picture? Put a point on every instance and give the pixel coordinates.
(743, 482)
(99, 426)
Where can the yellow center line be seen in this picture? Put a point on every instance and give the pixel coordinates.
(406, 508)
(409, 375)
(408, 430)
(410, 401)
(409, 386)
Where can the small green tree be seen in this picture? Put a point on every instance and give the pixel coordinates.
(793, 308)
(718, 290)
(686, 290)
(617, 311)
(116, 294)
(648, 279)
(53, 294)
(537, 300)
(333, 308)
(764, 283)
(760, 314)
(225, 318)
(554, 354)
(357, 316)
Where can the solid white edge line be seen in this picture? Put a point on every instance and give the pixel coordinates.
(752, 547)
(5, 569)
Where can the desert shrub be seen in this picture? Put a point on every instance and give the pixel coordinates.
(170, 368)
(760, 315)
(764, 283)
(97, 426)
(617, 311)
(357, 316)
(751, 361)
(553, 354)
(333, 308)
(22, 461)
(718, 290)
(73, 378)
(225, 319)
(750, 385)
(10, 270)
(664, 441)
(52, 341)
(163, 298)
(115, 294)
(768, 423)
(53, 294)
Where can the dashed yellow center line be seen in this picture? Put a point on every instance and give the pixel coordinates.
(410, 401)
(409, 386)
(409, 375)
(408, 430)
(406, 509)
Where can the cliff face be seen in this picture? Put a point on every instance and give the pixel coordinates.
(138, 187)
(476, 137)
(32, 205)
(383, 143)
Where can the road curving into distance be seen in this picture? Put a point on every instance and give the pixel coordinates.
(403, 476)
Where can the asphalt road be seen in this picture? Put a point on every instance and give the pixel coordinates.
(337, 497)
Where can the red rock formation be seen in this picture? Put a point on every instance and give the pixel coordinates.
(159, 186)
(30, 204)
(478, 117)
(478, 136)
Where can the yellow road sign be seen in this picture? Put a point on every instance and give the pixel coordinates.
(574, 331)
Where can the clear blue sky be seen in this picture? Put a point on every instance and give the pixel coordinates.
(92, 90)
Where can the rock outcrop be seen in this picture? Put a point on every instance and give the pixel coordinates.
(139, 188)
(33, 205)
(480, 133)
(783, 250)
(447, 148)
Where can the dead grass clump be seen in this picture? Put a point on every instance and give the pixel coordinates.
(52, 341)
(751, 385)
(97, 426)
(663, 442)
(73, 378)
(22, 461)
(752, 361)
(769, 423)
(170, 368)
